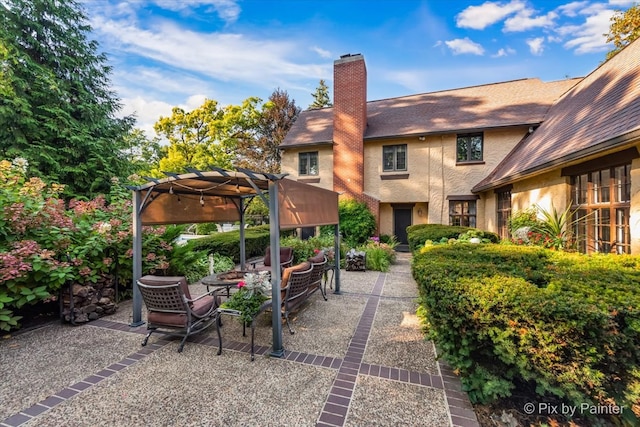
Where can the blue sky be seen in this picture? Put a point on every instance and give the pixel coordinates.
(168, 53)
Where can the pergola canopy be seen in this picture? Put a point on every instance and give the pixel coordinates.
(214, 196)
(219, 195)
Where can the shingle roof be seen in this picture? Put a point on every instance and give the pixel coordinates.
(509, 103)
(591, 117)
(517, 102)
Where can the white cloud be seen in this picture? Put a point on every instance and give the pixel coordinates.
(227, 10)
(504, 52)
(589, 37)
(462, 46)
(322, 52)
(536, 45)
(573, 9)
(524, 21)
(221, 56)
(488, 13)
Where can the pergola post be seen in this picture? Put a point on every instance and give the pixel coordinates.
(137, 260)
(243, 250)
(336, 257)
(274, 231)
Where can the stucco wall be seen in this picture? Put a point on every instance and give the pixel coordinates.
(547, 190)
(289, 164)
(433, 173)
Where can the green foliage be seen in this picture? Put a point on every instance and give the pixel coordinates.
(206, 228)
(260, 149)
(256, 240)
(357, 223)
(624, 29)
(304, 249)
(46, 244)
(321, 97)
(222, 263)
(418, 234)
(56, 106)
(566, 323)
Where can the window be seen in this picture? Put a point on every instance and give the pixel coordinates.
(602, 201)
(469, 148)
(462, 212)
(503, 212)
(394, 158)
(308, 163)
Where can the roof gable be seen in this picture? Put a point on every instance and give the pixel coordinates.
(593, 116)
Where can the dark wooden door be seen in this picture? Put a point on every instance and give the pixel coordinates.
(401, 220)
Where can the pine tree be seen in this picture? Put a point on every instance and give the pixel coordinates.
(56, 107)
(321, 97)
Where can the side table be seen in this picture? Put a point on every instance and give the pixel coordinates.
(238, 313)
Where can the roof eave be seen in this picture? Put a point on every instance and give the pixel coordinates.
(620, 141)
(449, 131)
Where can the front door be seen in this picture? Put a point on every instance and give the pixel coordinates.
(401, 220)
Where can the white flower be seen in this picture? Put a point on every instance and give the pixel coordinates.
(257, 283)
(21, 164)
(104, 228)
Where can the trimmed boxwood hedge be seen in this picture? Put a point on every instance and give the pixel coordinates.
(565, 323)
(228, 244)
(420, 233)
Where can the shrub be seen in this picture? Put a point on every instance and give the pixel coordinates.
(357, 223)
(566, 324)
(418, 234)
(228, 244)
(47, 243)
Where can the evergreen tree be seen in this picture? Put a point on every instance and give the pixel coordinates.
(624, 28)
(321, 97)
(56, 108)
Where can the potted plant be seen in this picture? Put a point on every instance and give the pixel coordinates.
(252, 292)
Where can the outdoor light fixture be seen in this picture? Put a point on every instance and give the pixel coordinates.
(237, 187)
(419, 211)
(171, 190)
(201, 199)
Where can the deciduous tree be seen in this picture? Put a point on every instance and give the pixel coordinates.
(260, 151)
(624, 28)
(208, 135)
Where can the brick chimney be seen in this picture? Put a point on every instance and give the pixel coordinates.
(349, 124)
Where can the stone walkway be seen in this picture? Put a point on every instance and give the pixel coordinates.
(358, 359)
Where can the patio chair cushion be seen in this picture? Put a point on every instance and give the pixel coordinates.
(286, 255)
(317, 258)
(199, 307)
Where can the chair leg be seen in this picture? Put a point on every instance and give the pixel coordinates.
(184, 339)
(286, 317)
(323, 292)
(146, 338)
(218, 324)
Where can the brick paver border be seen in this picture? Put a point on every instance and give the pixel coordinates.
(336, 407)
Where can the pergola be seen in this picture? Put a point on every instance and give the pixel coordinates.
(222, 195)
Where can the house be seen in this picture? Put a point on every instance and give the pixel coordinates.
(475, 155)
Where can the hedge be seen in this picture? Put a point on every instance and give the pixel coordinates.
(567, 325)
(256, 241)
(420, 233)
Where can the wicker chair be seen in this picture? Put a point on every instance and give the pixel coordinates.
(294, 288)
(172, 311)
